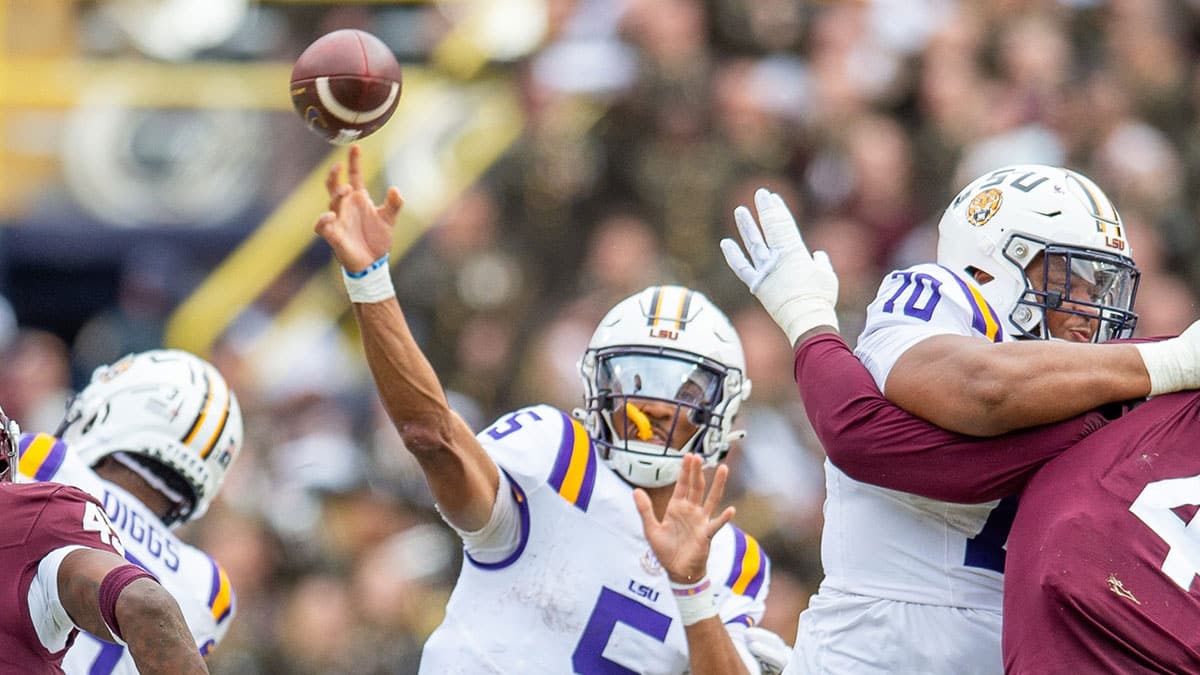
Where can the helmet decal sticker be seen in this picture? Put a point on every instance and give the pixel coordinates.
(668, 316)
(984, 206)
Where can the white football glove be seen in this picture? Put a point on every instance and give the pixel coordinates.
(1174, 364)
(771, 652)
(798, 289)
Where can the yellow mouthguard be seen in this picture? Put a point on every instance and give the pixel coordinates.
(644, 432)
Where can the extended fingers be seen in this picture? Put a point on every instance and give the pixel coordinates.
(331, 179)
(324, 222)
(645, 509)
(356, 173)
(392, 203)
(695, 478)
(337, 195)
(737, 262)
(778, 225)
(717, 491)
(334, 187)
(717, 523)
(751, 236)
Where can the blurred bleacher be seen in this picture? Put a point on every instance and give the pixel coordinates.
(555, 155)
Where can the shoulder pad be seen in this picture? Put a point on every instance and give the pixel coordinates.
(41, 456)
(738, 562)
(220, 594)
(935, 295)
(542, 444)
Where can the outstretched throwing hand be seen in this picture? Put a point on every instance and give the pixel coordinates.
(682, 538)
(358, 231)
(797, 288)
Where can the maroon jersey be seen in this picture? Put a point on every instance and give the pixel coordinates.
(873, 441)
(38, 518)
(1105, 551)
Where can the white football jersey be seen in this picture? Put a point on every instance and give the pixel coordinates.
(582, 592)
(892, 545)
(196, 581)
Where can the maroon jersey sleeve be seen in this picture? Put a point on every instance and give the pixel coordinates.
(1103, 570)
(39, 518)
(876, 442)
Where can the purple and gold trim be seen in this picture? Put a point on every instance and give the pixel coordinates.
(41, 456)
(214, 414)
(667, 310)
(986, 321)
(220, 594)
(574, 474)
(749, 565)
(523, 509)
(743, 619)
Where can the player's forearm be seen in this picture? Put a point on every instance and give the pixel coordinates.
(407, 383)
(874, 441)
(154, 630)
(461, 476)
(984, 389)
(711, 651)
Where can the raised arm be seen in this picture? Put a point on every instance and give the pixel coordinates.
(680, 541)
(462, 477)
(965, 384)
(874, 441)
(103, 594)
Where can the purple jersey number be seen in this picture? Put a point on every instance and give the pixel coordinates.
(511, 424)
(613, 608)
(924, 298)
(986, 549)
(106, 661)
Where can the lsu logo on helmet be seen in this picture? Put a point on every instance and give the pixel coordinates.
(984, 206)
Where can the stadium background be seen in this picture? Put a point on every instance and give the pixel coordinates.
(157, 190)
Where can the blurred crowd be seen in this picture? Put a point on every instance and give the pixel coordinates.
(647, 122)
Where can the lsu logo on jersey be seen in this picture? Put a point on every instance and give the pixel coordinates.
(984, 206)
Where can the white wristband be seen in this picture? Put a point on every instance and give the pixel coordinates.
(1168, 371)
(695, 601)
(372, 284)
(797, 317)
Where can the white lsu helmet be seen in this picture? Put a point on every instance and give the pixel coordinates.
(1001, 221)
(165, 414)
(668, 344)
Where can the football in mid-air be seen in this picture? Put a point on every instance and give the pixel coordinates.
(346, 85)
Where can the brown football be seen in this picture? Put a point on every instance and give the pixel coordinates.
(345, 85)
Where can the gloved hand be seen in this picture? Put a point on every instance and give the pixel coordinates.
(798, 289)
(1174, 364)
(769, 649)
